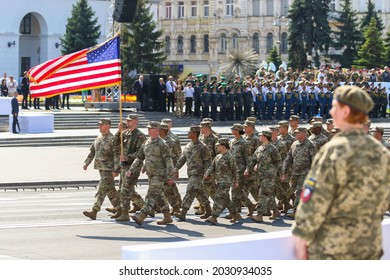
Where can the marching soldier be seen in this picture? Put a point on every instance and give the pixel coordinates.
(317, 138)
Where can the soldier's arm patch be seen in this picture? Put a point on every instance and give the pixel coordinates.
(308, 190)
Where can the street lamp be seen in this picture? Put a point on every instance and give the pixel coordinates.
(278, 23)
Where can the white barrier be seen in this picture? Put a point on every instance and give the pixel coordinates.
(262, 246)
(5, 105)
(34, 123)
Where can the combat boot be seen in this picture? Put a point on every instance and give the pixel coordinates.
(212, 220)
(251, 209)
(197, 206)
(200, 211)
(280, 205)
(167, 219)
(229, 216)
(236, 218)
(117, 214)
(175, 210)
(258, 218)
(135, 209)
(275, 214)
(182, 215)
(287, 206)
(207, 212)
(152, 213)
(291, 215)
(111, 210)
(90, 214)
(124, 217)
(139, 218)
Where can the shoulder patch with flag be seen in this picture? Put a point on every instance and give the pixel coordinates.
(308, 189)
(91, 68)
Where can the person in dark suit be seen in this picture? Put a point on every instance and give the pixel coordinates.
(139, 88)
(25, 87)
(15, 112)
(162, 95)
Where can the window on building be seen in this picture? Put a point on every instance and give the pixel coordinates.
(284, 43)
(180, 10)
(25, 25)
(180, 45)
(206, 43)
(167, 44)
(168, 10)
(193, 44)
(284, 8)
(194, 8)
(206, 8)
(222, 43)
(229, 8)
(235, 41)
(270, 8)
(256, 42)
(270, 42)
(332, 5)
(256, 8)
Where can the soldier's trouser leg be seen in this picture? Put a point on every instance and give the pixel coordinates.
(194, 188)
(209, 188)
(173, 196)
(222, 200)
(128, 193)
(282, 192)
(155, 196)
(239, 196)
(106, 187)
(266, 196)
(251, 186)
(297, 185)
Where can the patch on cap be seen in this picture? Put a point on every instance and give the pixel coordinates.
(237, 126)
(194, 128)
(132, 117)
(153, 124)
(105, 121)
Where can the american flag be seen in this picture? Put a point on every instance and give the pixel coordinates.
(95, 67)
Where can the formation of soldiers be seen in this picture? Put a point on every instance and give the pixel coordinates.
(278, 95)
(263, 172)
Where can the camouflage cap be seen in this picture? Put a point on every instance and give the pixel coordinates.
(208, 120)
(153, 124)
(223, 141)
(283, 124)
(318, 119)
(205, 124)
(164, 126)
(315, 124)
(272, 128)
(267, 133)
(104, 121)
(252, 119)
(194, 128)
(249, 123)
(354, 97)
(132, 117)
(378, 129)
(166, 120)
(300, 129)
(294, 118)
(329, 121)
(237, 126)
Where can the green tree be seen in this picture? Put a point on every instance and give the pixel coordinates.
(274, 57)
(372, 52)
(372, 13)
(82, 29)
(347, 36)
(387, 46)
(141, 47)
(309, 31)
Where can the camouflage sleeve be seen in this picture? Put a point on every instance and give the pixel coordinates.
(137, 164)
(277, 160)
(182, 160)
(91, 155)
(117, 142)
(252, 162)
(166, 155)
(178, 147)
(287, 161)
(234, 167)
(116, 152)
(318, 191)
(206, 158)
(211, 169)
(246, 154)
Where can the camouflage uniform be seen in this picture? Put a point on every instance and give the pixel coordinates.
(268, 161)
(318, 140)
(240, 150)
(159, 168)
(210, 141)
(299, 158)
(224, 168)
(251, 184)
(198, 159)
(283, 190)
(287, 139)
(106, 161)
(344, 199)
(132, 142)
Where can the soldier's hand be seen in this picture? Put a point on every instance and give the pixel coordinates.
(129, 174)
(114, 174)
(170, 182)
(283, 178)
(206, 177)
(85, 167)
(246, 172)
(255, 168)
(300, 248)
(235, 185)
(143, 170)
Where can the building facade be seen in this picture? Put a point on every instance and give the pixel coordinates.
(198, 34)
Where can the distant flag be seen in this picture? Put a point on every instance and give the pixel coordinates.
(90, 68)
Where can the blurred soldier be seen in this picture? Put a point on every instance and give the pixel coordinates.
(299, 159)
(212, 130)
(317, 138)
(159, 168)
(132, 138)
(197, 98)
(205, 102)
(377, 132)
(279, 101)
(198, 159)
(346, 191)
(329, 126)
(382, 101)
(284, 136)
(266, 161)
(293, 122)
(213, 103)
(224, 168)
(240, 150)
(107, 162)
(223, 102)
(289, 102)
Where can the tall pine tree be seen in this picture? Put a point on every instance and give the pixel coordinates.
(371, 13)
(82, 30)
(275, 57)
(141, 48)
(372, 52)
(347, 37)
(387, 46)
